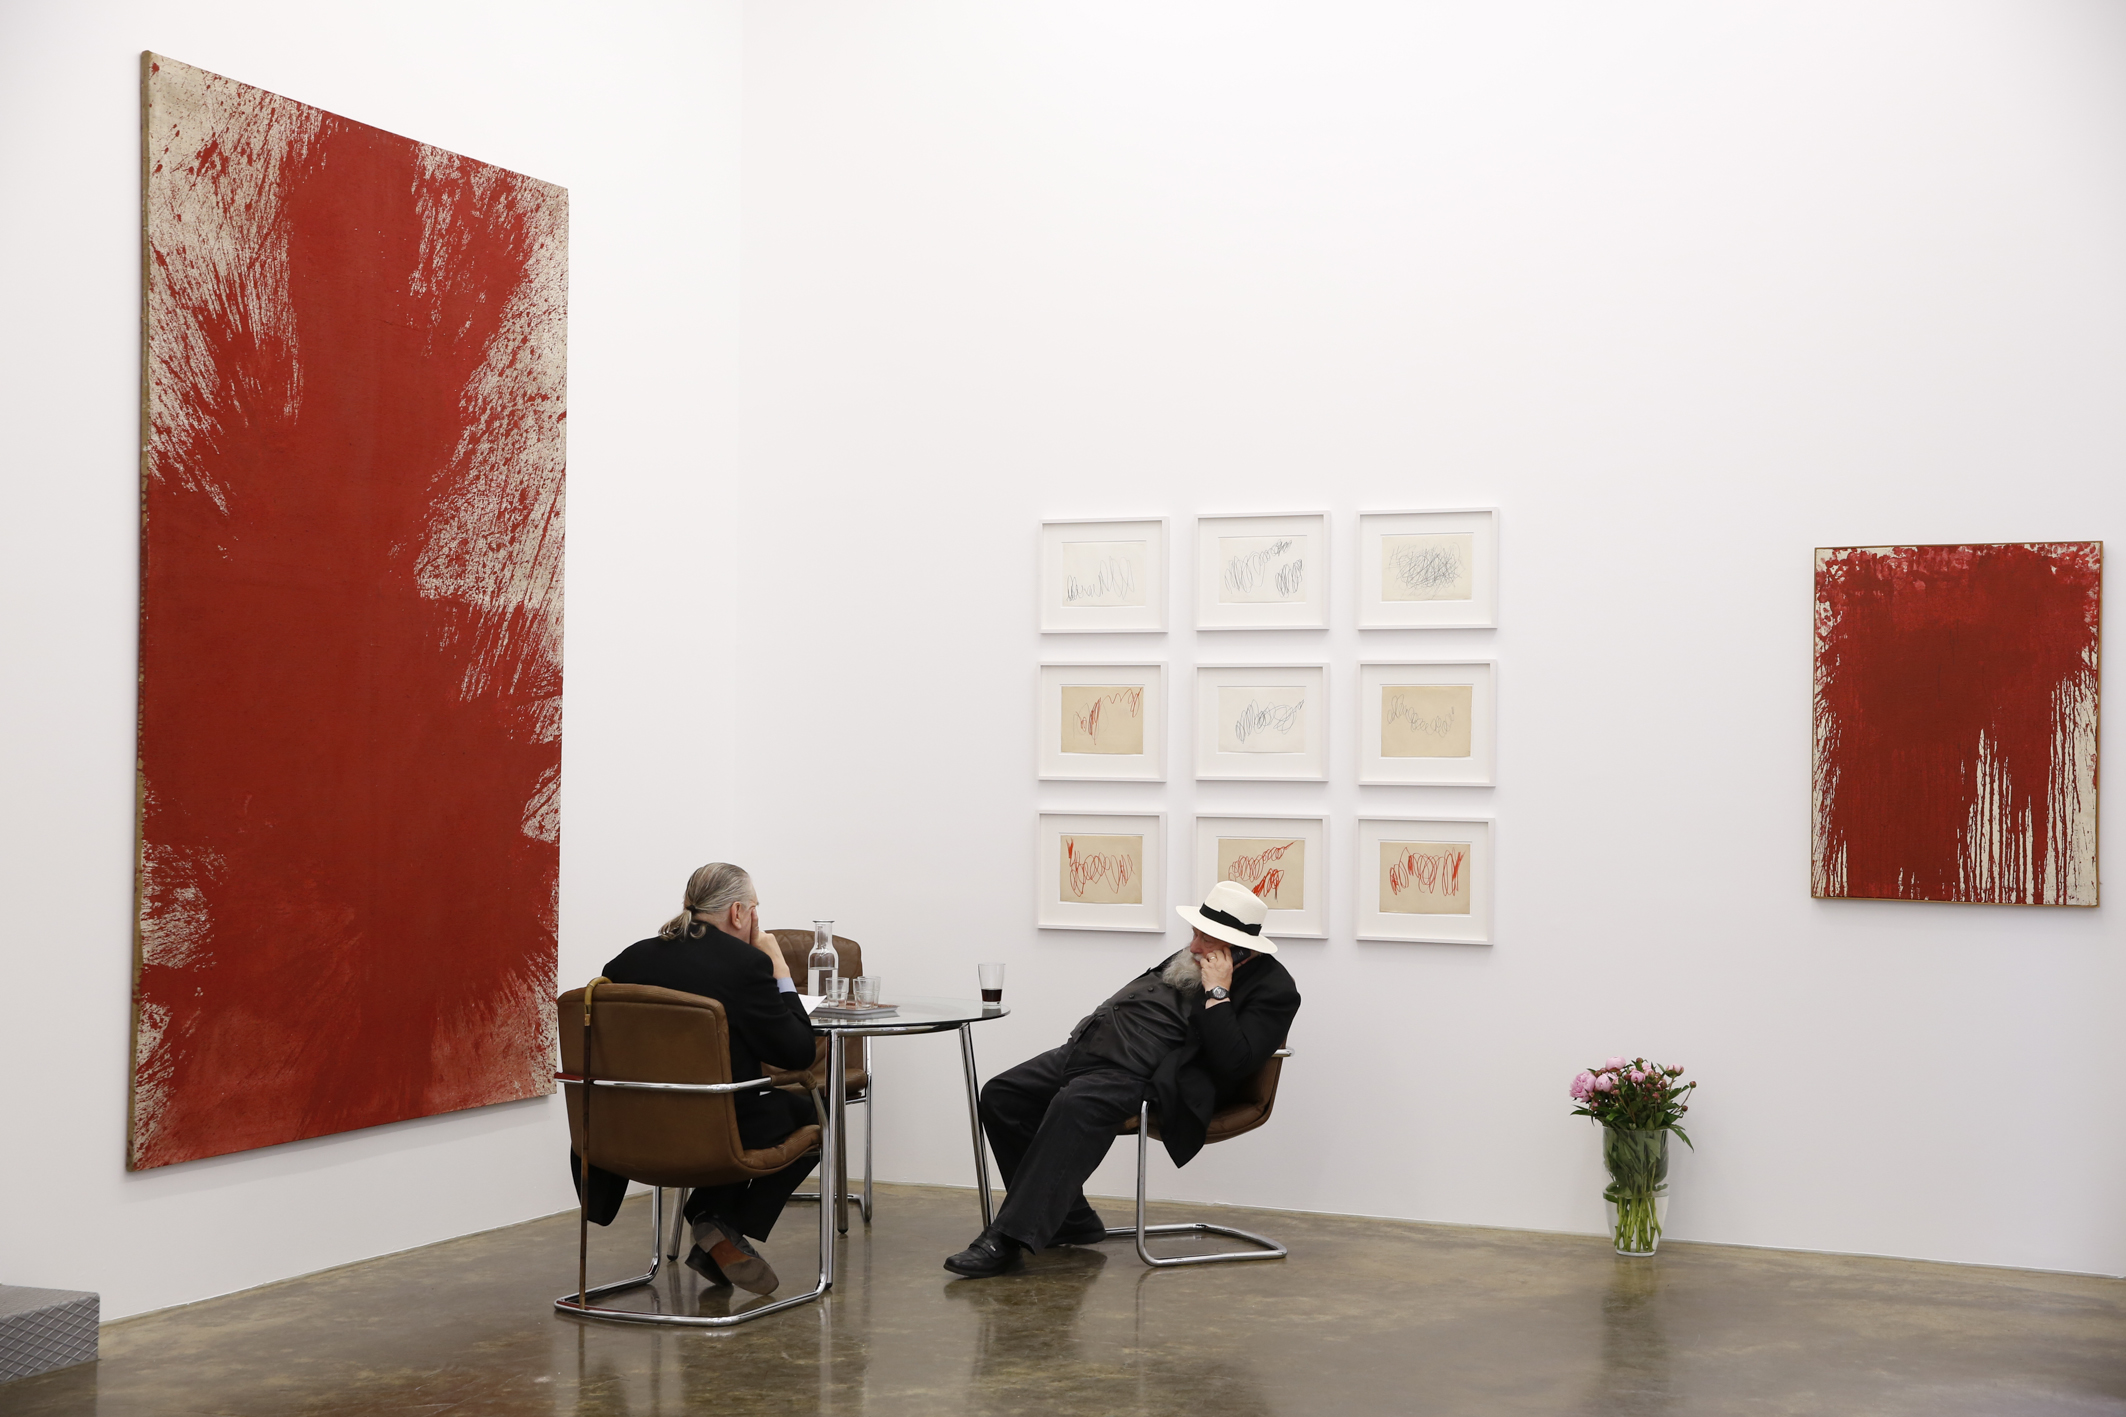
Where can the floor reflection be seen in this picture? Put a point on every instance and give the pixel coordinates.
(1637, 1373)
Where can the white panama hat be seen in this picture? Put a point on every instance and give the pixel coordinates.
(1232, 913)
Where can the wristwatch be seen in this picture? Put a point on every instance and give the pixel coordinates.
(1218, 992)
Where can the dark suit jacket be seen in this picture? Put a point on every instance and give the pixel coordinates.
(1227, 1046)
(766, 1025)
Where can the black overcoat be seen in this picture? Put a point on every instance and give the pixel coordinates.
(1226, 1047)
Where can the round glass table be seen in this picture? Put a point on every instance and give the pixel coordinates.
(912, 1014)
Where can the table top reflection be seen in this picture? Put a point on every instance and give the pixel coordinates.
(920, 1014)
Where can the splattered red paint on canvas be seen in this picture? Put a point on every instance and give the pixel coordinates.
(350, 654)
(1956, 722)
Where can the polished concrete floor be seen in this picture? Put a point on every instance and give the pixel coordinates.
(1364, 1317)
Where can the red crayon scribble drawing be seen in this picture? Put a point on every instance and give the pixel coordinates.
(350, 625)
(1128, 703)
(1259, 871)
(1955, 722)
(1435, 871)
(1109, 875)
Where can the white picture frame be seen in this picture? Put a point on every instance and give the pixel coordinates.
(1263, 572)
(1103, 576)
(1428, 722)
(1262, 722)
(1423, 846)
(1228, 841)
(1090, 719)
(1442, 567)
(1099, 869)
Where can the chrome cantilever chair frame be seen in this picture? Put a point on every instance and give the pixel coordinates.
(1270, 1249)
(568, 1303)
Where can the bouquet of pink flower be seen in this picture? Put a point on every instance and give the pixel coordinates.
(1633, 1095)
(1638, 1104)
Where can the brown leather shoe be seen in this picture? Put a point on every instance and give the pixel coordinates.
(740, 1262)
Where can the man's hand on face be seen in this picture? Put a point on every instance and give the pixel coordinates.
(766, 943)
(1217, 967)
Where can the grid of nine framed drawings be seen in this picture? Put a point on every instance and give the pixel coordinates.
(1421, 721)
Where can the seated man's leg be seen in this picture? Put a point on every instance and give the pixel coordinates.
(764, 1197)
(1013, 1104)
(1073, 1138)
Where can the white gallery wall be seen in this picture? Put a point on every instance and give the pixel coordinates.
(860, 293)
(1686, 291)
(635, 110)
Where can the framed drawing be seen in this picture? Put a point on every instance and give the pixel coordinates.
(1955, 707)
(1103, 722)
(1425, 879)
(1280, 858)
(1262, 721)
(1262, 573)
(1428, 722)
(1101, 871)
(1103, 576)
(1428, 570)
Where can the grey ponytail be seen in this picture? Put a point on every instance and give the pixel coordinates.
(712, 890)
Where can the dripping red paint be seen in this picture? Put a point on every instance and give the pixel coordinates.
(1955, 722)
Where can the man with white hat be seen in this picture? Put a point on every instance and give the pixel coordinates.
(1187, 1033)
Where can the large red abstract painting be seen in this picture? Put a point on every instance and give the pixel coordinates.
(350, 624)
(1956, 722)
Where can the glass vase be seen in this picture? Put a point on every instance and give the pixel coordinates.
(1637, 1194)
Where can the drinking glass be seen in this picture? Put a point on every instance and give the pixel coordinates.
(868, 989)
(838, 989)
(992, 976)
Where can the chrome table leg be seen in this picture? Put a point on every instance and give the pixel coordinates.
(974, 1124)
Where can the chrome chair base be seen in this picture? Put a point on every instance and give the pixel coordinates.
(1140, 1232)
(567, 1303)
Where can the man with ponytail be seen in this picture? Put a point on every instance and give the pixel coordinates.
(715, 946)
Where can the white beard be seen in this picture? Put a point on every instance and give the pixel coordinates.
(1182, 972)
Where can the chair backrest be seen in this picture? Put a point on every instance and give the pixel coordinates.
(644, 1034)
(797, 944)
(1243, 1114)
(1252, 1108)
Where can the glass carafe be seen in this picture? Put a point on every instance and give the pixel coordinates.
(824, 962)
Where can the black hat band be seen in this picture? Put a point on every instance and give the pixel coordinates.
(1224, 919)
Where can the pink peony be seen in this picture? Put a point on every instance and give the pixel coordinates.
(1582, 1086)
(1637, 1076)
(1614, 1064)
(1605, 1083)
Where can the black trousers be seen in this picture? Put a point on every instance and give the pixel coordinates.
(752, 1206)
(1050, 1122)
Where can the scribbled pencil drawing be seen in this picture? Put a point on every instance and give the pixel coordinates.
(1272, 867)
(1262, 569)
(1424, 878)
(1262, 720)
(1100, 573)
(1102, 870)
(1432, 566)
(1426, 720)
(1103, 718)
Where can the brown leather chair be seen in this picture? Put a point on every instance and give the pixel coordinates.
(660, 1112)
(796, 948)
(1245, 1115)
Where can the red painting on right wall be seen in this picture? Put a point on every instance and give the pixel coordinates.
(1956, 722)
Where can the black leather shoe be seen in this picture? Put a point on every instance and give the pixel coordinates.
(991, 1253)
(1090, 1234)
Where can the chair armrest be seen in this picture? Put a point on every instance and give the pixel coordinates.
(747, 1086)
